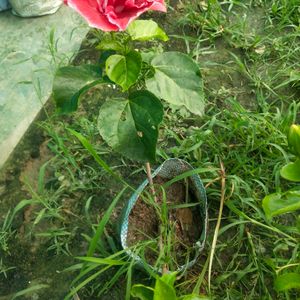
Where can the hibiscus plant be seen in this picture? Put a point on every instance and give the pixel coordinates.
(129, 124)
(280, 203)
(164, 289)
(289, 201)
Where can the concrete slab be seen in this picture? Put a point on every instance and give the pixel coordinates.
(28, 58)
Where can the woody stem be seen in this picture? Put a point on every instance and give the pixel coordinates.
(149, 175)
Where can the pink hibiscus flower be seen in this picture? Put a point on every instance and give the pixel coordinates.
(113, 15)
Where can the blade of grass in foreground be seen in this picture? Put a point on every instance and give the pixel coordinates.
(188, 174)
(129, 281)
(29, 290)
(92, 264)
(102, 261)
(233, 208)
(85, 282)
(217, 228)
(201, 278)
(102, 224)
(96, 238)
(87, 145)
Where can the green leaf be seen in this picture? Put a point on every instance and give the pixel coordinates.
(169, 278)
(101, 226)
(294, 139)
(277, 204)
(291, 171)
(142, 292)
(124, 69)
(88, 146)
(295, 77)
(177, 80)
(71, 82)
(41, 177)
(102, 261)
(130, 126)
(11, 215)
(104, 56)
(193, 297)
(108, 44)
(86, 281)
(29, 290)
(146, 30)
(40, 216)
(164, 287)
(287, 281)
(147, 56)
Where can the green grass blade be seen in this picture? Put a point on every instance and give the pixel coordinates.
(233, 208)
(29, 290)
(200, 280)
(88, 146)
(41, 177)
(102, 224)
(129, 281)
(85, 282)
(188, 174)
(102, 261)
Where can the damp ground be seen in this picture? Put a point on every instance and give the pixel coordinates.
(69, 191)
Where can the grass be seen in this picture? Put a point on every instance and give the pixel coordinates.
(252, 147)
(249, 53)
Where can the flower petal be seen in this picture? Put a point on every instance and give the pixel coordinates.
(159, 6)
(113, 15)
(131, 10)
(123, 19)
(90, 11)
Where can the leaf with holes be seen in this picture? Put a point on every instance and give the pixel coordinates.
(71, 82)
(124, 69)
(130, 126)
(177, 80)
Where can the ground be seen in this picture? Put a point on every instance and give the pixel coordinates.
(248, 54)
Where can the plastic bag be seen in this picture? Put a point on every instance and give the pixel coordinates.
(34, 8)
(4, 5)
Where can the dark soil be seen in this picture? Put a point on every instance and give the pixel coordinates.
(184, 224)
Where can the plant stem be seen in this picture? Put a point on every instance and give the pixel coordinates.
(186, 181)
(214, 242)
(149, 175)
(160, 242)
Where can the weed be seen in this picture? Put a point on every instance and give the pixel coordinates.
(206, 17)
(286, 12)
(253, 148)
(7, 232)
(4, 269)
(249, 55)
